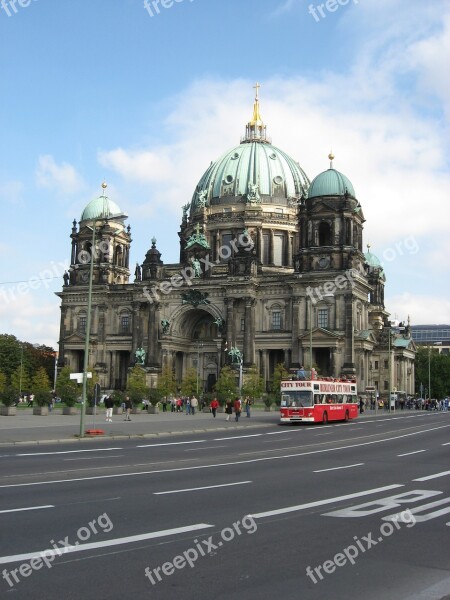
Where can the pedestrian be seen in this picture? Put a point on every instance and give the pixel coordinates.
(228, 409)
(214, 406)
(30, 400)
(128, 407)
(179, 404)
(109, 403)
(361, 405)
(237, 405)
(247, 405)
(194, 404)
(188, 406)
(164, 404)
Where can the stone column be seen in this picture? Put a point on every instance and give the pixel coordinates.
(271, 249)
(231, 334)
(153, 359)
(296, 303)
(289, 249)
(349, 356)
(260, 243)
(249, 333)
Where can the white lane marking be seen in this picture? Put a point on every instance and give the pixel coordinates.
(409, 453)
(435, 476)
(171, 444)
(280, 432)
(115, 542)
(203, 448)
(68, 452)
(27, 508)
(337, 468)
(207, 487)
(95, 457)
(288, 509)
(447, 444)
(227, 464)
(237, 437)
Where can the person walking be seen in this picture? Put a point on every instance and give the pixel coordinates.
(128, 407)
(247, 405)
(188, 406)
(228, 410)
(194, 404)
(109, 403)
(214, 406)
(237, 409)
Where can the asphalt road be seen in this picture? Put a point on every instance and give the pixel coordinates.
(356, 510)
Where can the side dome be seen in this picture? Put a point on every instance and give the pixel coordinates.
(101, 208)
(331, 183)
(252, 167)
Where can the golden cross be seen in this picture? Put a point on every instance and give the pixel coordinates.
(257, 86)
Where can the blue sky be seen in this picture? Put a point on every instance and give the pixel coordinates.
(99, 89)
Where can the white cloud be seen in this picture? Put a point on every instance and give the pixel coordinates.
(61, 177)
(139, 166)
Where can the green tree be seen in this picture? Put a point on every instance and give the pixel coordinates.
(430, 364)
(137, 388)
(13, 353)
(40, 385)
(67, 389)
(253, 384)
(2, 381)
(20, 380)
(279, 373)
(189, 384)
(226, 388)
(167, 384)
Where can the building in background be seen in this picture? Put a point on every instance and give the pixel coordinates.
(271, 268)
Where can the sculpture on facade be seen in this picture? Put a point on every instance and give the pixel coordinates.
(137, 273)
(196, 267)
(140, 355)
(165, 324)
(235, 356)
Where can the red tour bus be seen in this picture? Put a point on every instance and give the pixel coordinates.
(318, 400)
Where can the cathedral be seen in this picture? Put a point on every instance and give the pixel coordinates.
(271, 270)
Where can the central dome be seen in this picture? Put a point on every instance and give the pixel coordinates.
(273, 171)
(253, 172)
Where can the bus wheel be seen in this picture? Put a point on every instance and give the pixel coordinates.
(325, 418)
(346, 416)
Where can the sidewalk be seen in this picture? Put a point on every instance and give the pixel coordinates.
(26, 428)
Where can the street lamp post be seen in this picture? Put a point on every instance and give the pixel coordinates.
(21, 370)
(199, 344)
(429, 368)
(88, 333)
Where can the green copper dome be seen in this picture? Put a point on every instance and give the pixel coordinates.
(330, 183)
(253, 169)
(100, 208)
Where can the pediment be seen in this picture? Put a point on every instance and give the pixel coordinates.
(322, 206)
(320, 334)
(74, 338)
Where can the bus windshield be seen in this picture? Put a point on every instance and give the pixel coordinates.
(296, 398)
